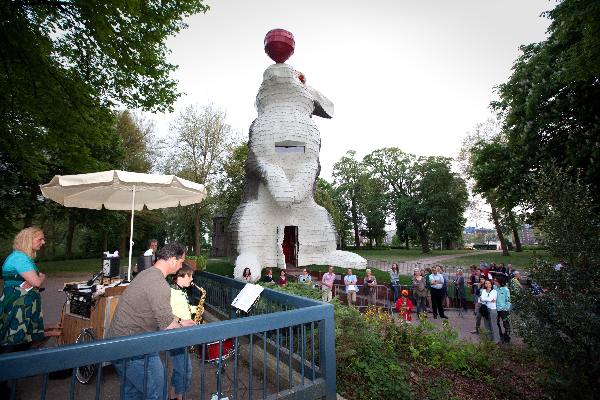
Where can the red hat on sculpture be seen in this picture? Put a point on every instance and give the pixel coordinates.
(279, 45)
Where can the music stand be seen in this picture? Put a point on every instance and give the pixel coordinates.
(247, 298)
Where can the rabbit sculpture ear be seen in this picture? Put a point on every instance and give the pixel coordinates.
(323, 106)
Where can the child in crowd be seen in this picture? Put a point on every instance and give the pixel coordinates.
(282, 281)
(404, 306)
(180, 359)
(247, 275)
(268, 278)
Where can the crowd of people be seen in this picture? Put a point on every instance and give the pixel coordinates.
(490, 286)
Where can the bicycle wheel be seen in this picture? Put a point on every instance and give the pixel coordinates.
(85, 373)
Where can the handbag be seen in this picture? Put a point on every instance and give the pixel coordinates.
(484, 311)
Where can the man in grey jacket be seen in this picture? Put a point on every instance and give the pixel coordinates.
(145, 307)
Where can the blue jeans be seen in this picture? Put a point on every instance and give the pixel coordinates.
(490, 324)
(182, 370)
(133, 381)
(395, 289)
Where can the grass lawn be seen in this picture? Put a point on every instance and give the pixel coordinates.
(400, 255)
(220, 266)
(85, 266)
(521, 260)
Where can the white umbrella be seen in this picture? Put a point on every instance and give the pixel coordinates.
(122, 190)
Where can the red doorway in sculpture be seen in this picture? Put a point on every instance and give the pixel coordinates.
(290, 246)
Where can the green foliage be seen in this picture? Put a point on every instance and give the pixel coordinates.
(346, 175)
(231, 184)
(65, 64)
(201, 261)
(198, 148)
(374, 207)
(434, 202)
(393, 167)
(563, 323)
(550, 106)
(220, 266)
(327, 197)
(136, 138)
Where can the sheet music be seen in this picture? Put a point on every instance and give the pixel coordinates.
(247, 296)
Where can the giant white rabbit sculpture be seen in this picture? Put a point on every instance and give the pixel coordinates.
(281, 172)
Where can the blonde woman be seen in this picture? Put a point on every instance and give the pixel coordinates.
(370, 287)
(419, 291)
(21, 304)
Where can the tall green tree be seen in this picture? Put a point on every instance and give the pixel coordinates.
(201, 139)
(373, 201)
(64, 66)
(327, 197)
(392, 167)
(436, 202)
(490, 168)
(231, 183)
(562, 324)
(550, 106)
(346, 174)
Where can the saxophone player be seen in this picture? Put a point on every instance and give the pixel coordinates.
(182, 373)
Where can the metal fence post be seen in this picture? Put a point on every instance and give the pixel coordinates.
(327, 353)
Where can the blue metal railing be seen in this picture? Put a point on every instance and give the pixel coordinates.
(275, 354)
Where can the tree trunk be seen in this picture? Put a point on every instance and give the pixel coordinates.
(407, 239)
(123, 243)
(355, 224)
(196, 230)
(515, 232)
(499, 231)
(424, 238)
(41, 253)
(104, 241)
(30, 210)
(70, 235)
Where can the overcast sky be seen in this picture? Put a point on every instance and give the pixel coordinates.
(417, 75)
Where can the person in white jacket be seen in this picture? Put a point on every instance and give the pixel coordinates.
(488, 299)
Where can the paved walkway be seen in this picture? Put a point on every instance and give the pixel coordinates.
(463, 323)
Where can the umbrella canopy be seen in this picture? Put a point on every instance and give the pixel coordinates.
(113, 190)
(122, 190)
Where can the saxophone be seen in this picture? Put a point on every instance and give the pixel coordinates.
(200, 307)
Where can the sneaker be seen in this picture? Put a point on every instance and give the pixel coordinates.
(474, 332)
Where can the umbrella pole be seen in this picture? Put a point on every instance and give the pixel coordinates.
(131, 234)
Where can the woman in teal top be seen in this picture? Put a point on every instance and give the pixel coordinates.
(21, 321)
(503, 310)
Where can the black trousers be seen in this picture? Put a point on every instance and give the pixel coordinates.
(437, 300)
(503, 316)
